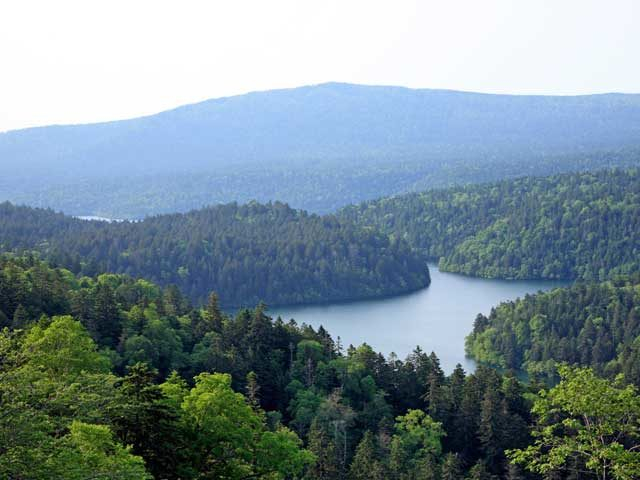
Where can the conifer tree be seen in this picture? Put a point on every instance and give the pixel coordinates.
(253, 390)
(326, 466)
(20, 318)
(479, 472)
(452, 467)
(366, 464)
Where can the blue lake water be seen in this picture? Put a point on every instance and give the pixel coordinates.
(437, 318)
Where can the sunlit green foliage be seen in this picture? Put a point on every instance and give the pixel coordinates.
(75, 396)
(586, 423)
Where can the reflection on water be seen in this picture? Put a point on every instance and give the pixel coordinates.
(437, 318)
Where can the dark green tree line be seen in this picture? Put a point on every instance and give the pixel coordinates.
(247, 253)
(590, 324)
(573, 226)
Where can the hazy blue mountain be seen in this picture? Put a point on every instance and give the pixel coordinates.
(317, 147)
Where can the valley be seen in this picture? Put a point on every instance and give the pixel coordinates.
(404, 288)
(436, 319)
(320, 240)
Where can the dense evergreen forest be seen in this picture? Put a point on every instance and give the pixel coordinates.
(111, 377)
(591, 324)
(108, 370)
(247, 253)
(581, 225)
(317, 188)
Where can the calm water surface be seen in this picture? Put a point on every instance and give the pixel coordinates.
(436, 318)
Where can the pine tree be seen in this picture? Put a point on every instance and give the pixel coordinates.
(253, 390)
(464, 435)
(452, 467)
(104, 325)
(173, 301)
(429, 469)
(513, 391)
(366, 463)
(20, 318)
(143, 420)
(211, 320)
(456, 382)
(214, 313)
(479, 472)
(491, 426)
(326, 466)
(436, 398)
(515, 472)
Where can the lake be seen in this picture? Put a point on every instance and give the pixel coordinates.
(437, 318)
(93, 218)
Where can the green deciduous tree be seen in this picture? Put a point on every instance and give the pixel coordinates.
(415, 445)
(89, 451)
(588, 421)
(63, 348)
(54, 388)
(229, 439)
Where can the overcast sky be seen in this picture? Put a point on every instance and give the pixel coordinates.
(81, 61)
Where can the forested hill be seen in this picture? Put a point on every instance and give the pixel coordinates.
(280, 144)
(91, 366)
(111, 377)
(560, 227)
(247, 253)
(595, 325)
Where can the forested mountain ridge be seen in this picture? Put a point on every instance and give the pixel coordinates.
(570, 226)
(333, 120)
(248, 253)
(280, 144)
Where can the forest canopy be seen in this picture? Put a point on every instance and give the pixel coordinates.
(112, 377)
(573, 226)
(591, 324)
(119, 375)
(247, 253)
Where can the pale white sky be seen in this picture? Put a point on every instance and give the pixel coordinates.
(80, 61)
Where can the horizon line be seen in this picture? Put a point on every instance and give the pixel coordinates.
(311, 85)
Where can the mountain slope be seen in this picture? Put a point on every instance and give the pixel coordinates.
(428, 137)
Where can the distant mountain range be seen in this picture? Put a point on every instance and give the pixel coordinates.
(317, 147)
